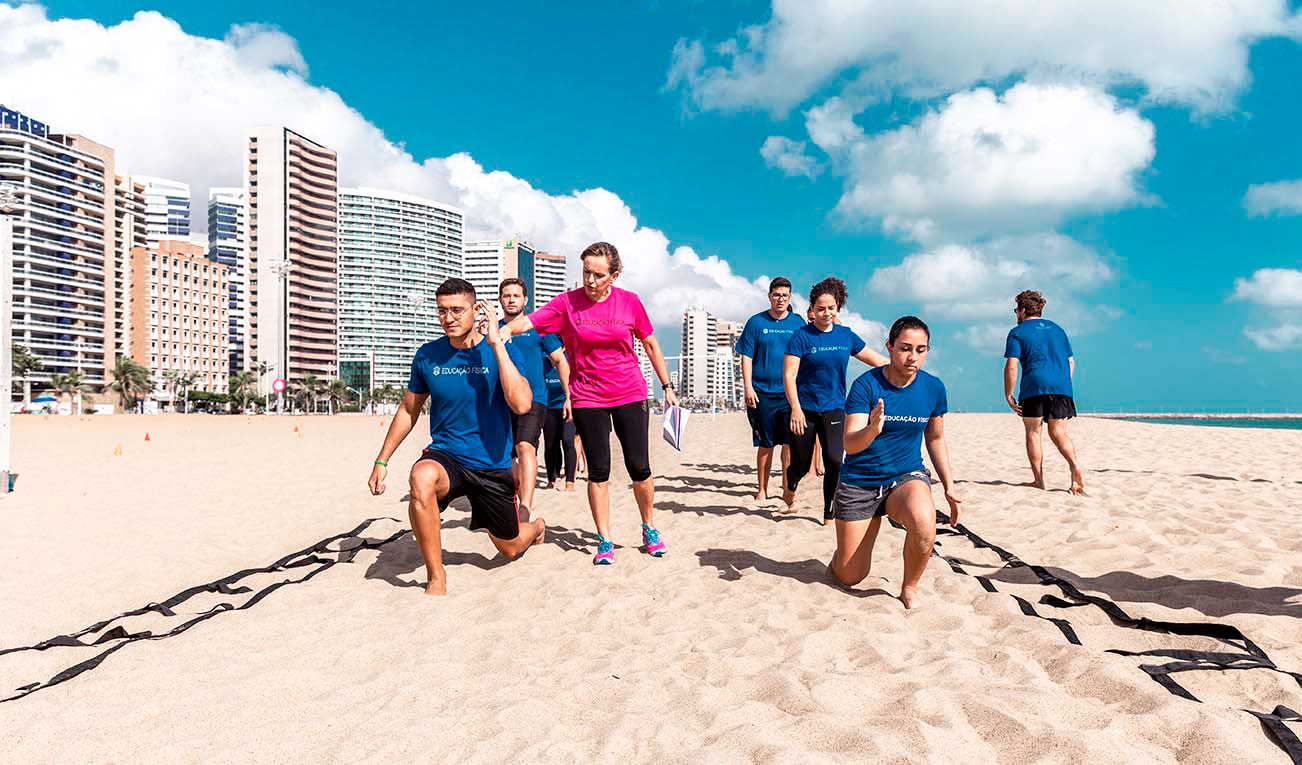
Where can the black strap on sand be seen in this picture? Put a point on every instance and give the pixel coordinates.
(1248, 654)
(312, 558)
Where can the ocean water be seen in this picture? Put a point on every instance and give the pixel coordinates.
(1286, 423)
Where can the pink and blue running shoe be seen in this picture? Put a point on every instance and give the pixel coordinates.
(605, 552)
(651, 541)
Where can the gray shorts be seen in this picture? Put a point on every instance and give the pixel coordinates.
(858, 503)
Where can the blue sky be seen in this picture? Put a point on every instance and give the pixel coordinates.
(1129, 215)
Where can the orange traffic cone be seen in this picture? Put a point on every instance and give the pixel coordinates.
(146, 435)
(117, 451)
(295, 428)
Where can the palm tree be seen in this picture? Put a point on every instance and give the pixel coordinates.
(336, 391)
(308, 388)
(186, 382)
(240, 384)
(130, 380)
(22, 366)
(171, 378)
(390, 393)
(72, 385)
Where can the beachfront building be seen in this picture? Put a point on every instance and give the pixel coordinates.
(129, 232)
(228, 244)
(711, 371)
(394, 251)
(644, 364)
(178, 317)
(549, 277)
(488, 262)
(70, 239)
(292, 192)
(167, 208)
(727, 385)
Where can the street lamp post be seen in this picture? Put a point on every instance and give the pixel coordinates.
(282, 270)
(8, 209)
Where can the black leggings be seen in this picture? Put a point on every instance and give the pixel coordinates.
(829, 428)
(630, 423)
(558, 439)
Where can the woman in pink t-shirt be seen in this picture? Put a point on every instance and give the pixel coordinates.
(597, 324)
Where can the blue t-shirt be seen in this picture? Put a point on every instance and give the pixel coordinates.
(824, 359)
(468, 414)
(764, 340)
(898, 449)
(555, 391)
(535, 349)
(1042, 348)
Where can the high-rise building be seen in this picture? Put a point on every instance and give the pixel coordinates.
(548, 277)
(68, 247)
(228, 244)
(293, 197)
(178, 307)
(711, 370)
(394, 252)
(487, 263)
(644, 364)
(167, 208)
(129, 227)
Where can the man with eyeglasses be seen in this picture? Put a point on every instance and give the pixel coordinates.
(475, 387)
(762, 346)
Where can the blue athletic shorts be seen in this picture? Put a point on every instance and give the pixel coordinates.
(770, 421)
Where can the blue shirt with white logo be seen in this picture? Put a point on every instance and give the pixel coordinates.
(764, 340)
(535, 349)
(555, 391)
(824, 359)
(897, 450)
(468, 414)
(1042, 348)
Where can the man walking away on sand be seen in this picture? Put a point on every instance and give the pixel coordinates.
(1044, 353)
(475, 387)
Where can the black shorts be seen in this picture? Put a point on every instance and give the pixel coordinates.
(770, 421)
(529, 426)
(491, 494)
(1050, 406)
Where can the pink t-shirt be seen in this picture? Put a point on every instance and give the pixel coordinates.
(599, 342)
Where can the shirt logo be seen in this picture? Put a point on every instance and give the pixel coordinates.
(905, 418)
(598, 322)
(436, 371)
(820, 348)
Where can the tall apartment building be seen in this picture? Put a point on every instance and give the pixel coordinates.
(644, 364)
(487, 263)
(228, 244)
(178, 314)
(710, 367)
(167, 208)
(130, 232)
(293, 217)
(394, 252)
(549, 277)
(69, 245)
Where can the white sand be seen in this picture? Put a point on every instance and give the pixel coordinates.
(730, 649)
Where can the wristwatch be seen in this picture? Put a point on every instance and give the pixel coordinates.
(667, 386)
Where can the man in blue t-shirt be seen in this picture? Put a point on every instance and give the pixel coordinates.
(1044, 353)
(474, 387)
(763, 345)
(535, 350)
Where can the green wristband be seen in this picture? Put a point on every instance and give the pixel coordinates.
(383, 464)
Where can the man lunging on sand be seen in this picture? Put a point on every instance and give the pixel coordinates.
(889, 411)
(763, 346)
(475, 388)
(1044, 352)
(535, 352)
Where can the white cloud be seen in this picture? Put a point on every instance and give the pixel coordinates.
(984, 164)
(789, 156)
(1274, 287)
(1280, 291)
(1278, 198)
(177, 105)
(1281, 338)
(1184, 51)
(978, 283)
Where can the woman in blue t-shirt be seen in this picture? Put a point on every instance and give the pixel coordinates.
(817, 357)
(888, 412)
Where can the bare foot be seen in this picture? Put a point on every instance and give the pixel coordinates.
(789, 497)
(1037, 483)
(549, 485)
(908, 595)
(437, 587)
(827, 521)
(1077, 483)
(542, 532)
(569, 486)
(760, 496)
(819, 471)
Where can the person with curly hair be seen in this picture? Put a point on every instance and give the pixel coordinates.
(817, 359)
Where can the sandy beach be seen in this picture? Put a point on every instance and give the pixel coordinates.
(732, 648)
